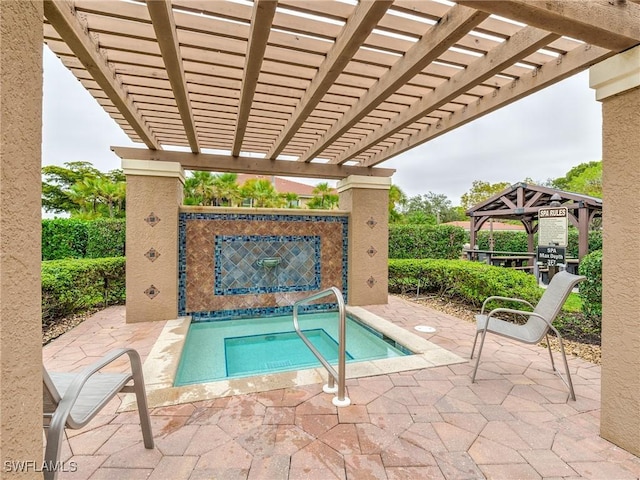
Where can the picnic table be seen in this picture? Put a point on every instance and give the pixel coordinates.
(501, 258)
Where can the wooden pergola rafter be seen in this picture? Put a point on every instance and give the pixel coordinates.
(327, 83)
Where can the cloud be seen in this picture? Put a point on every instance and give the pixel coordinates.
(541, 136)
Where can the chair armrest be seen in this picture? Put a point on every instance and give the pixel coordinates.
(70, 396)
(509, 299)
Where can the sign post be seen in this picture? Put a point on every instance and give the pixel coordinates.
(553, 228)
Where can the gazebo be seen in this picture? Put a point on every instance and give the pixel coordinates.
(522, 202)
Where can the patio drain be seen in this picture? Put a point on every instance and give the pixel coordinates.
(425, 329)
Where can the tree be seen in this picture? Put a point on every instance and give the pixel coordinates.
(481, 191)
(397, 198)
(82, 191)
(226, 191)
(323, 197)
(430, 208)
(585, 178)
(261, 193)
(292, 200)
(57, 183)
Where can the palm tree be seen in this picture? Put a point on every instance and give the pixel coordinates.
(111, 193)
(225, 189)
(323, 197)
(292, 199)
(396, 198)
(261, 193)
(85, 194)
(198, 189)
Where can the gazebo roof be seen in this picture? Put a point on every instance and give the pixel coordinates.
(522, 201)
(320, 88)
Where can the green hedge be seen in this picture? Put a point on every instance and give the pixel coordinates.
(591, 288)
(70, 286)
(106, 238)
(426, 241)
(63, 238)
(471, 282)
(69, 238)
(516, 241)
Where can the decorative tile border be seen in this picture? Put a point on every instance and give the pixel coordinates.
(238, 272)
(186, 216)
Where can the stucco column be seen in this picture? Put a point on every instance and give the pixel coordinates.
(617, 85)
(154, 196)
(367, 200)
(20, 238)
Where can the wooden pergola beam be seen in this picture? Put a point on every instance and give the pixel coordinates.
(519, 46)
(454, 25)
(358, 27)
(257, 166)
(566, 66)
(85, 49)
(164, 25)
(614, 25)
(261, 20)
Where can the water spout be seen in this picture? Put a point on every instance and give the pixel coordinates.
(269, 262)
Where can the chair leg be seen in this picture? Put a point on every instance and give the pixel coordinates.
(141, 401)
(55, 437)
(568, 381)
(475, 339)
(553, 365)
(566, 369)
(475, 370)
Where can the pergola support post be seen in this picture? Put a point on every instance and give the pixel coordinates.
(154, 196)
(20, 239)
(367, 200)
(617, 85)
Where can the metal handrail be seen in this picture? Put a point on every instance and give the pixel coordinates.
(340, 400)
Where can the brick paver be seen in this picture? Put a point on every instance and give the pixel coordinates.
(515, 422)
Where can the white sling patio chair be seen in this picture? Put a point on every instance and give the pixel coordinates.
(538, 324)
(72, 399)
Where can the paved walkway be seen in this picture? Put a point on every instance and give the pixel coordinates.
(514, 423)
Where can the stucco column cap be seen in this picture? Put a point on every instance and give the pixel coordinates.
(362, 181)
(616, 74)
(153, 168)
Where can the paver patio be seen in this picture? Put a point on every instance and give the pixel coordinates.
(514, 423)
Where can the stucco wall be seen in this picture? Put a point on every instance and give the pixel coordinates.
(368, 238)
(20, 187)
(152, 247)
(620, 417)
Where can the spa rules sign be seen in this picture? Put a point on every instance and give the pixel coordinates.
(552, 235)
(553, 227)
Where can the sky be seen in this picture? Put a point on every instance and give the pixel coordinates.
(541, 136)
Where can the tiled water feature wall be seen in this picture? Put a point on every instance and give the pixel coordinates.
(236, 263)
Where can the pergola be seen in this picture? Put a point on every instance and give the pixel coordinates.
(522, 202)
(314, 89)
(320, 88)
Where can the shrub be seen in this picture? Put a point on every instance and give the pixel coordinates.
(426, 241)
(516, 241)
(70, 238)
(106, 238)
(503, 241)
(70, 286)
(470, 282)
(63, 238)
(591, 288)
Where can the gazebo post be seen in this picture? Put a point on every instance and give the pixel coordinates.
(583, 231)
